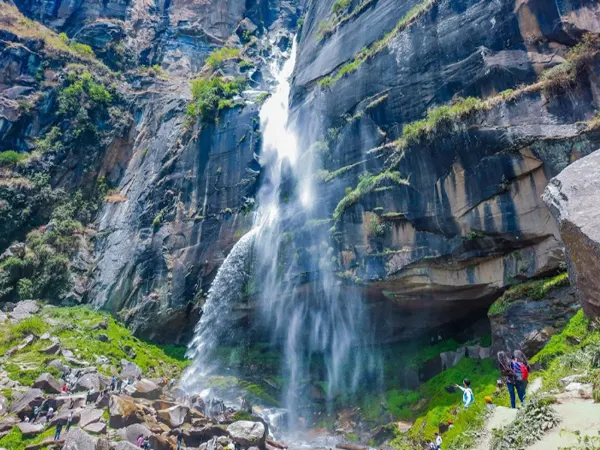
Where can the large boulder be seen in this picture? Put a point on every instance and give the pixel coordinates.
(89, 416)
(7, 424)
(175, 416)
(57, 364)
(63, 416)
(146, 389)
(87, 382)
(122, 411)
(124, 445)
(131, 432)
(77, 439)
(23, 406)
(29, 429)
(197, 435)
(24, 310)
(3, 405)
(129, 369)
(573, 197)
(96, 428)
(247, 434)
(48, 383)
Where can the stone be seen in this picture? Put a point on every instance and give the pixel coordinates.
(196, 436)
(24, 405)
(77, 439)
(87, 382)
(24, 310)
(174, 416)
(246, 433)
(57, 364)
(102, 337)
(63, 416)
(48, 383)
(3, 317)
(52, 349)
(125, 445)
(30, 429)
(123, 411)
(146, 389)
(131, 432)
(129, 369)
(89, 416)
(96, 428)
(7, 423)
(70, 401)
(24, 343)
(3, 405)
(572, 197)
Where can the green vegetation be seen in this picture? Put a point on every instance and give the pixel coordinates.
(532, 290)
(211, 95)
(10, 158)
(325, 176)
(374, 227)
(368, 52)
(241, 415)
(74, 326)
(367, 184)
(262, 97)
(218, 57)
(82, 49)
(341, 15)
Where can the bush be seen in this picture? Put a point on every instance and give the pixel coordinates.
(211, 95)
(10, 158)
(218, 57)
(82, 49)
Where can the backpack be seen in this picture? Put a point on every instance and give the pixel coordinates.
(521, 371)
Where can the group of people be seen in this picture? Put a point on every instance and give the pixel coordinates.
(515, 370)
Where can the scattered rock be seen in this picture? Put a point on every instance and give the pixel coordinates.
(24, 405)
(87, 382)
(3, 405)
(24, 343)
(129, 369)
(30, 429)
(146, 389)
(246, 433)
(48, 383)
(103, 325)
(196, 436)
(96, 428)
(573, 201)
(89, 416)
(77, 439)
(57, 364)
(174, 416)
(123, 411)
(131, 432)
(3, 317)
(52, 349)
(124, 445)
(24, 310)
(7, 423)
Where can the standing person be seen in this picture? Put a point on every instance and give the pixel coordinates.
(468, 396)
(521, 368)
(179, 439)
(36, 413)
(58, 430)
(50, 414)
(113, 383)
(140, 440)
(69, 421)
(510, 378)
(88, 397)
(438, 441)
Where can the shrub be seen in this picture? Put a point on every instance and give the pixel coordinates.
(373, 226)
(211, 95)
(218, 57)
(10, 158)
(81, 49)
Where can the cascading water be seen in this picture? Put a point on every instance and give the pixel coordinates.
(317, 326)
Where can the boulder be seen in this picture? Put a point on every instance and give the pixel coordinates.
(123, 411)
(48, 383)
(3, 317)
(24, 310)
(3, 405)
(573, 197)
(30, 429)
(57, 364)
(174, 416)
(96, 428)
(52, 349)
(87, 382)
(196, 436)
(24, 343)
(131, 432)
(146, 389)
(63, 416)
(24, 405)
(129, 369)
(124, 445)
(7, 423)
(102, 337)
(77, 439)
(246, 433)
(70, 401)
(89, 416)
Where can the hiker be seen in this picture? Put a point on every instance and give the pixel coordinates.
(113, 383)
(521, 368)
(26, 419)
(146, 444)
(58, 430)
(468, 396)
(36, 413)
(171, 383)
(140, 440)
(63, 389)
(431, 445)
(49, 414)
(88, 397)
(139, 377)
(69, 421)
(438, 441)
(179, 439)
(507, 368)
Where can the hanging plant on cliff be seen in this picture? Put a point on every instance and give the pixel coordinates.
(211, 95)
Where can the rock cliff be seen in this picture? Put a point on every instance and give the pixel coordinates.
(438, 124)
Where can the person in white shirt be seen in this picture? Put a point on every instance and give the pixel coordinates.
(468, 396)
(438, 441)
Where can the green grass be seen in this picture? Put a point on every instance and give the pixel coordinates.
(218, 57)
(532, 290)
(327, 27)
(368, 52)
(10, 158)
(14, 440)
(367, 184)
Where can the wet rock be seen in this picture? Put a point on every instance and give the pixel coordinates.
(174, 416)
(48, 383)
(24, 405)
(123, 411)
(573, 199)
(246, 433)
(30, 429)
(146, 389)
(129, 369)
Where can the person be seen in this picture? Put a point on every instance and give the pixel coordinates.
(179, 439)
(50, 414)
(431, 445)
(36, 413)
(140, 440)
(58, 430)
(172, 383)
(438, 441)
(113, 383)
(64, 388)
(510, 378)
(69, 421)
(27, 419)
(468, 396)
(146, 444)
(88, 397)
(139, 377)
(521, 368)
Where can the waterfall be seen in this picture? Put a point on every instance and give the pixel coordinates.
(314, 321)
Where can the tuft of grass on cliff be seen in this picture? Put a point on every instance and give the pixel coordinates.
(77, 331)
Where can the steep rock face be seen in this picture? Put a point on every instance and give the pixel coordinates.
(573, 198)
(470, 220)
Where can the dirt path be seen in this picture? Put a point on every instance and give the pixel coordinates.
(500, 418)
